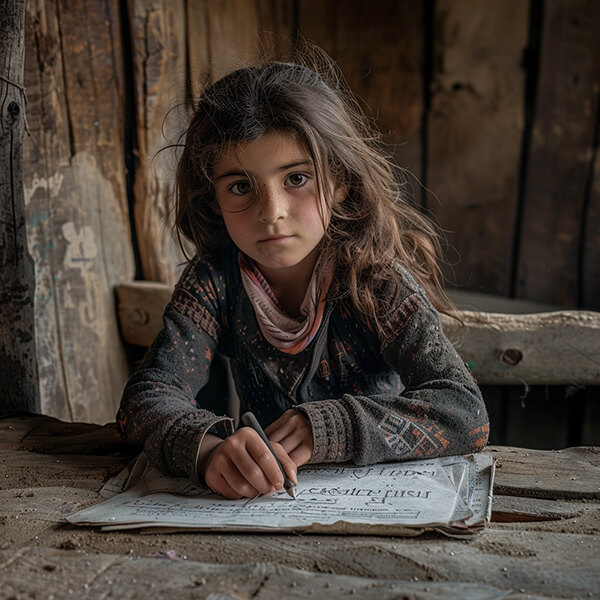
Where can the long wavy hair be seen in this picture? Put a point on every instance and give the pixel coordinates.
(374, 227)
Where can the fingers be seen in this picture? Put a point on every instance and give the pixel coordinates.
(220, 486)
(281, 427)
(223, 477)
(292, 441)
(301, 455)
(293, 431)
(243, 466)
(240, 483)
(288, 464)
(258, 464)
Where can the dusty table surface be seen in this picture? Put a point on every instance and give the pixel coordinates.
(543, 542)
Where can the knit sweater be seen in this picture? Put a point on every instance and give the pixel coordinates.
(369, 398)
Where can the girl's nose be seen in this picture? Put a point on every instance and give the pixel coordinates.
(272, 205)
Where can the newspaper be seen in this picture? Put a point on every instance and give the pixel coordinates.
(452, 494)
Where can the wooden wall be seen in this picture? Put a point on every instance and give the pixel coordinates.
(77, 205)
(492, 106)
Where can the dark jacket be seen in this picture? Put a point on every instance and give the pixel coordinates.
(369, 400)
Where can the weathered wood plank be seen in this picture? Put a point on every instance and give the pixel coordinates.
(14, 429)
(379, 47)
(78, 224)
(56, 437)
(515, 509)
(158, 34)
(275, 28)
(535, 349)
(223, 36)
(90, 575)
(233, 26)
(474, 136)
(18, 358)
(45, 157)
(572, 473)
(560, 153)
(140, 306)
(198, 39)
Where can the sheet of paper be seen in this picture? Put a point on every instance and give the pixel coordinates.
(446, 492)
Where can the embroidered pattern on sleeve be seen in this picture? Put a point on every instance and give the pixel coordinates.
(419, 437)
(399, 319)
(186, 304)
(481, 435)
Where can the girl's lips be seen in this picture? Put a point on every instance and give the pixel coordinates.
(274, 239)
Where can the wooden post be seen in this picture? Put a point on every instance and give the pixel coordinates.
(19, 388)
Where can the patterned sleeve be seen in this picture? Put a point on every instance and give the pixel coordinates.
(440, 411)
(159, 409)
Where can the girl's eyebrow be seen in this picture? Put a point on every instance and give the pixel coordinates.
(238, 173)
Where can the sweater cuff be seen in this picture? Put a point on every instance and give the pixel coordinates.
(332, 431)
(186, 441)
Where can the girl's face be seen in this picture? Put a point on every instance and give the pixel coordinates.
(267, 195)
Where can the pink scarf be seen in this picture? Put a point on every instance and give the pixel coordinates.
(282, 331)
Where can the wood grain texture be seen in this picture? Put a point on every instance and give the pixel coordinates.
(77, 217)
(140, 307)
(233, 26)
(474, 136)
(158, 35)
(561, 152)
(517, 552)
(275, 28)
(379, 47)
(535, 349)
(18, 359)
(137, 577)
(572, 473)
(223, 36)
(511, 509)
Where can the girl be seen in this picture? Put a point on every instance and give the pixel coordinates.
(316, 279)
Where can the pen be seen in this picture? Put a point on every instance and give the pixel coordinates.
(249, 420)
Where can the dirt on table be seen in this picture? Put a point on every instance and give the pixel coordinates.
(548, 548)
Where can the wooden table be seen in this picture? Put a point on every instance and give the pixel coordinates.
(543, 542)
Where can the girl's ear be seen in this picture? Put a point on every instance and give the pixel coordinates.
(340, 193)
(216, 208)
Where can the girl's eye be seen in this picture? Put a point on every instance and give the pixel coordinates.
(296, 179)
(240, 188)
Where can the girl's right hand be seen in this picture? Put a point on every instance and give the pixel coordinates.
(242, 466)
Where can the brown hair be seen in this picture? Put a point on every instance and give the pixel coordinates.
(371, 229)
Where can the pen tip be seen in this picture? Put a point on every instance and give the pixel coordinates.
(292, 492)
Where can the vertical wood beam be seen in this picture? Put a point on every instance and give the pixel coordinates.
(159, 43)
(561, 154)
(475, 127)
(75, 198)
(379, 46)
(18, 365)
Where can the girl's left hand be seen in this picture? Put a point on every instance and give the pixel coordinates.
(293, 431)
